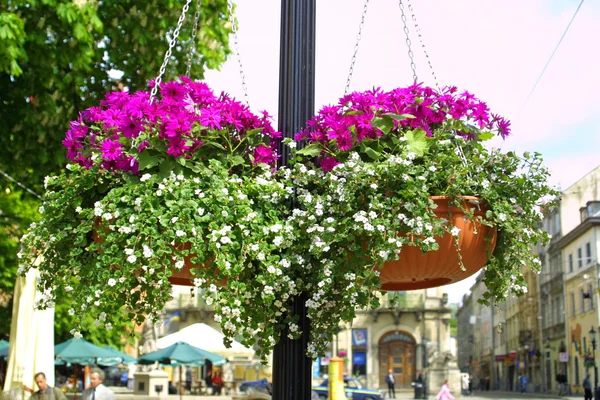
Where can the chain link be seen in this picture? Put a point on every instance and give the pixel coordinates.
(414, 18)
(193, 43)
(408, 43)
(237, 50)
(358, 37)
(163, 67)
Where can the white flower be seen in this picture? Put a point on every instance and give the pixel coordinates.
(78, 209)
(254, 247)
(112, 282)
(179, 233)
(179, 264)
(224, 213)
(41, 209)
(201, 211)
(433, 168)
(108, 326)
(145, 177)
(159, 193)
(71, 311)
(174, 219)
(68, 289)
(455, 231)
(147, 252)
(129, 251)
(132, 259)
(261, 256)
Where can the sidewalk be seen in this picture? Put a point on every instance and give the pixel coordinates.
(518, 395)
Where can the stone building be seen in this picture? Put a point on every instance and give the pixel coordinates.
(411, 337)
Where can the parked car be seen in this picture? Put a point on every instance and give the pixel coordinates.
(354, 390)
(262, 386)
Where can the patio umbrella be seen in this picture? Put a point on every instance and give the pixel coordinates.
(3, 344)
(82, 352)
(118, 358)
(180, 354)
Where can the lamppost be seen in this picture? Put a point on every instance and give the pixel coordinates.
(593, 337)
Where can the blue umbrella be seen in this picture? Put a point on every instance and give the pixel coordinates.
(182, 353)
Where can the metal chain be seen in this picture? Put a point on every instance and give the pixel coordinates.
(161, 72)
(408, 43)
(414, 18)
(237, 51)
(194, 33)
(358, 37)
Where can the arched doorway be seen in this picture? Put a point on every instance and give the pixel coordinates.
(397, 351)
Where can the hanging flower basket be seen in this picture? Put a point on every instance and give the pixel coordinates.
(408, 150)
(457, 257)
(186, 192)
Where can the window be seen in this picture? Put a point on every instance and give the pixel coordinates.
(591, 292)
(583, 295)
(573, 313)
(570, 262)
(556, 231)
(584, 345)
(579, 258)
(577, 370)
(588, 252)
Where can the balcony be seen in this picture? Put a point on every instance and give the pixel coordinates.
(591, 210)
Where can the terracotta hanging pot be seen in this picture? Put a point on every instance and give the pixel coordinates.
(415, 270)
(183, 276)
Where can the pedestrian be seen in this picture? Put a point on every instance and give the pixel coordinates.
(444, 393)
(391, 382)
(523, 381)
(217, 382)
(561, 380)
(465, 384)
(208, 381)
(97, 390)
(471, 385)
(46, 391)
(587, 388)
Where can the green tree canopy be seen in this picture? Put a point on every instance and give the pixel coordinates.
(58, 57)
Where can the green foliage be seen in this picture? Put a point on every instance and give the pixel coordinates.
(55, 58)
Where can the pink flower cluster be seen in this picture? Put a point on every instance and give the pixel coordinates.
(348, 123)
(179, 121)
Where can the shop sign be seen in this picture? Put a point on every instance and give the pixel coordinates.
(563, 357)
(500, 357)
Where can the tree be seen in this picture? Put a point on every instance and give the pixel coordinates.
(58, 57)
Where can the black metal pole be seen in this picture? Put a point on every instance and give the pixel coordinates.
(291, 367)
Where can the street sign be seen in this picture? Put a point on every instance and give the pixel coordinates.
(563, 357)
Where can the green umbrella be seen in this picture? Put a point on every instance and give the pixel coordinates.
(118, 358)
(82, 352)
(3, 344)
(182, 353)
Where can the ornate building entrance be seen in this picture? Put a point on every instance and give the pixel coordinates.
(397, 351)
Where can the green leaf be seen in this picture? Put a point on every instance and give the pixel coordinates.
(400, 117)
(417, 141)
(181, 161)
(165, 168)
(312, 150)
(147, 161)
(374, 155)
(237, 160)
(383, 123)
(483, 136)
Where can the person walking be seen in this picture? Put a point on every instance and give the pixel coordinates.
(444, 393)
(97, 390)
(46, 391)
(524, 381)
(587, 388)
(391, 382)
(465, 385)
(561, 380)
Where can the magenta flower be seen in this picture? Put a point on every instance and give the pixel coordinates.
(328, 163)
(111, 150)
(264, 155)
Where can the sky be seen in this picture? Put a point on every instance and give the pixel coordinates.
(494, 49)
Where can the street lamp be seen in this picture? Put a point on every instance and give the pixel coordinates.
(593, 337)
